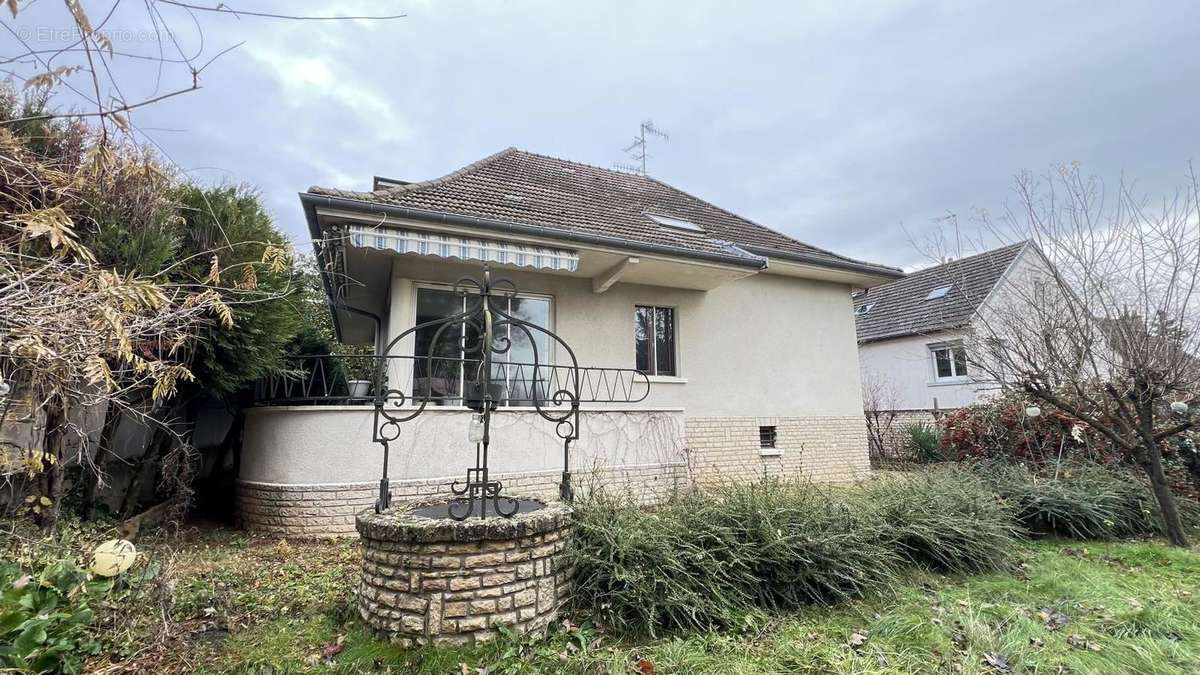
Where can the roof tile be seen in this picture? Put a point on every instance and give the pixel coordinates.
(573, 197)
(900, 307)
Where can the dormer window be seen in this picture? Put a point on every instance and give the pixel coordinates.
(939, 292)
(677, 223)
(863, 309)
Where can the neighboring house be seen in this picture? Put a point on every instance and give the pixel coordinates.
(914, 332)
(744, 336)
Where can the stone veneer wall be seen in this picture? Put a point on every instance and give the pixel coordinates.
(445, 582)
(329, 510)
(820, 448)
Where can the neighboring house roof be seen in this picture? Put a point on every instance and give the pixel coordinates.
(905, 306)
(525, 188)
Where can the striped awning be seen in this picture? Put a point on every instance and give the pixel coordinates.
(465, 248)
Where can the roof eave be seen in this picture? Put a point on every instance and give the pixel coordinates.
(314, 229)
(881, 271)
(915, 332)
(312, 200)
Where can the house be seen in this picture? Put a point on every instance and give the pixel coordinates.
(914, 333)
(712, 347)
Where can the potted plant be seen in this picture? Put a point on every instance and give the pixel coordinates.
(360, 373)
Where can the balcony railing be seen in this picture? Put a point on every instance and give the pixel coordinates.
(408, 380)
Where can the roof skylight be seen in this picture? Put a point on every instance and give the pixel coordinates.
(677, 223)
(939, 292)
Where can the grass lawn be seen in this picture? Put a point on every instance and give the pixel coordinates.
(236, 603)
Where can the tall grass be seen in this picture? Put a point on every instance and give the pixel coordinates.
(644, 569)
(705, 559)
(803, 544)
(945, 519)
(1081, 501)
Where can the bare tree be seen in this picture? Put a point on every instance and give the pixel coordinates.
(93, 69)
(1100, 320)
(879, 406)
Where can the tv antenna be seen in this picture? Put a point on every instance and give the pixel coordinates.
(637, 149)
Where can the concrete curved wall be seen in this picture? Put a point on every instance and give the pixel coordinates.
(307, 471)
(307, 445)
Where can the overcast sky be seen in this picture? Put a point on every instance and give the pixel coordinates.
(839, 124)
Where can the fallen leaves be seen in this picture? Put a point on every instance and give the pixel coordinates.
(1052, 619)
(1080, 642)
(334, 648)
(857, 639)
(997, 661)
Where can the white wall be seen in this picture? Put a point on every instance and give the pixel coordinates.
(902, 370)
(332, 444)
(766, 345)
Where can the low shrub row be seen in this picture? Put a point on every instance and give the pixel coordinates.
(707, 558)
(946, 519)
(1080, 501)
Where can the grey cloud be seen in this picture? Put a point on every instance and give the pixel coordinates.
(835, 124)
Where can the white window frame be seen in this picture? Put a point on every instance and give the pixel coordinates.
(954, 376)
(678, 376)
(547, 360)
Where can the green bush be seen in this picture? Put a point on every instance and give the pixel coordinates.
(704, 560)
(946, 520)
(923, 442)
(641, 570)
(803, 544)
(707, 559)
(44, 618)
(1080, 501)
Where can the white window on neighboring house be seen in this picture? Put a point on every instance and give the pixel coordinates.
(949, 362)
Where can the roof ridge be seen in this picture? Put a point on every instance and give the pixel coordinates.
(600, 199)
(457, 173)
(991, 251)
(959, 261)
(578, 163)
(685, 193)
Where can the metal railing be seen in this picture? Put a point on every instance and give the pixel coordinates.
(409, 380)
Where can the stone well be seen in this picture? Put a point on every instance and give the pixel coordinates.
(428, 579)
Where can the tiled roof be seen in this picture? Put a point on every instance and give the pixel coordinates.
(901, 307)
(526, 188)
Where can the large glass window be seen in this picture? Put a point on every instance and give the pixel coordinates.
(654, 339)
(458, 353)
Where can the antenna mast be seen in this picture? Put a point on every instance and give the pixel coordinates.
(637, 149)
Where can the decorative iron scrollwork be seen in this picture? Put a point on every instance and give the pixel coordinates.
(484, 313)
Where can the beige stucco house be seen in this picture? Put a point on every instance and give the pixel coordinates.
(713, 347)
